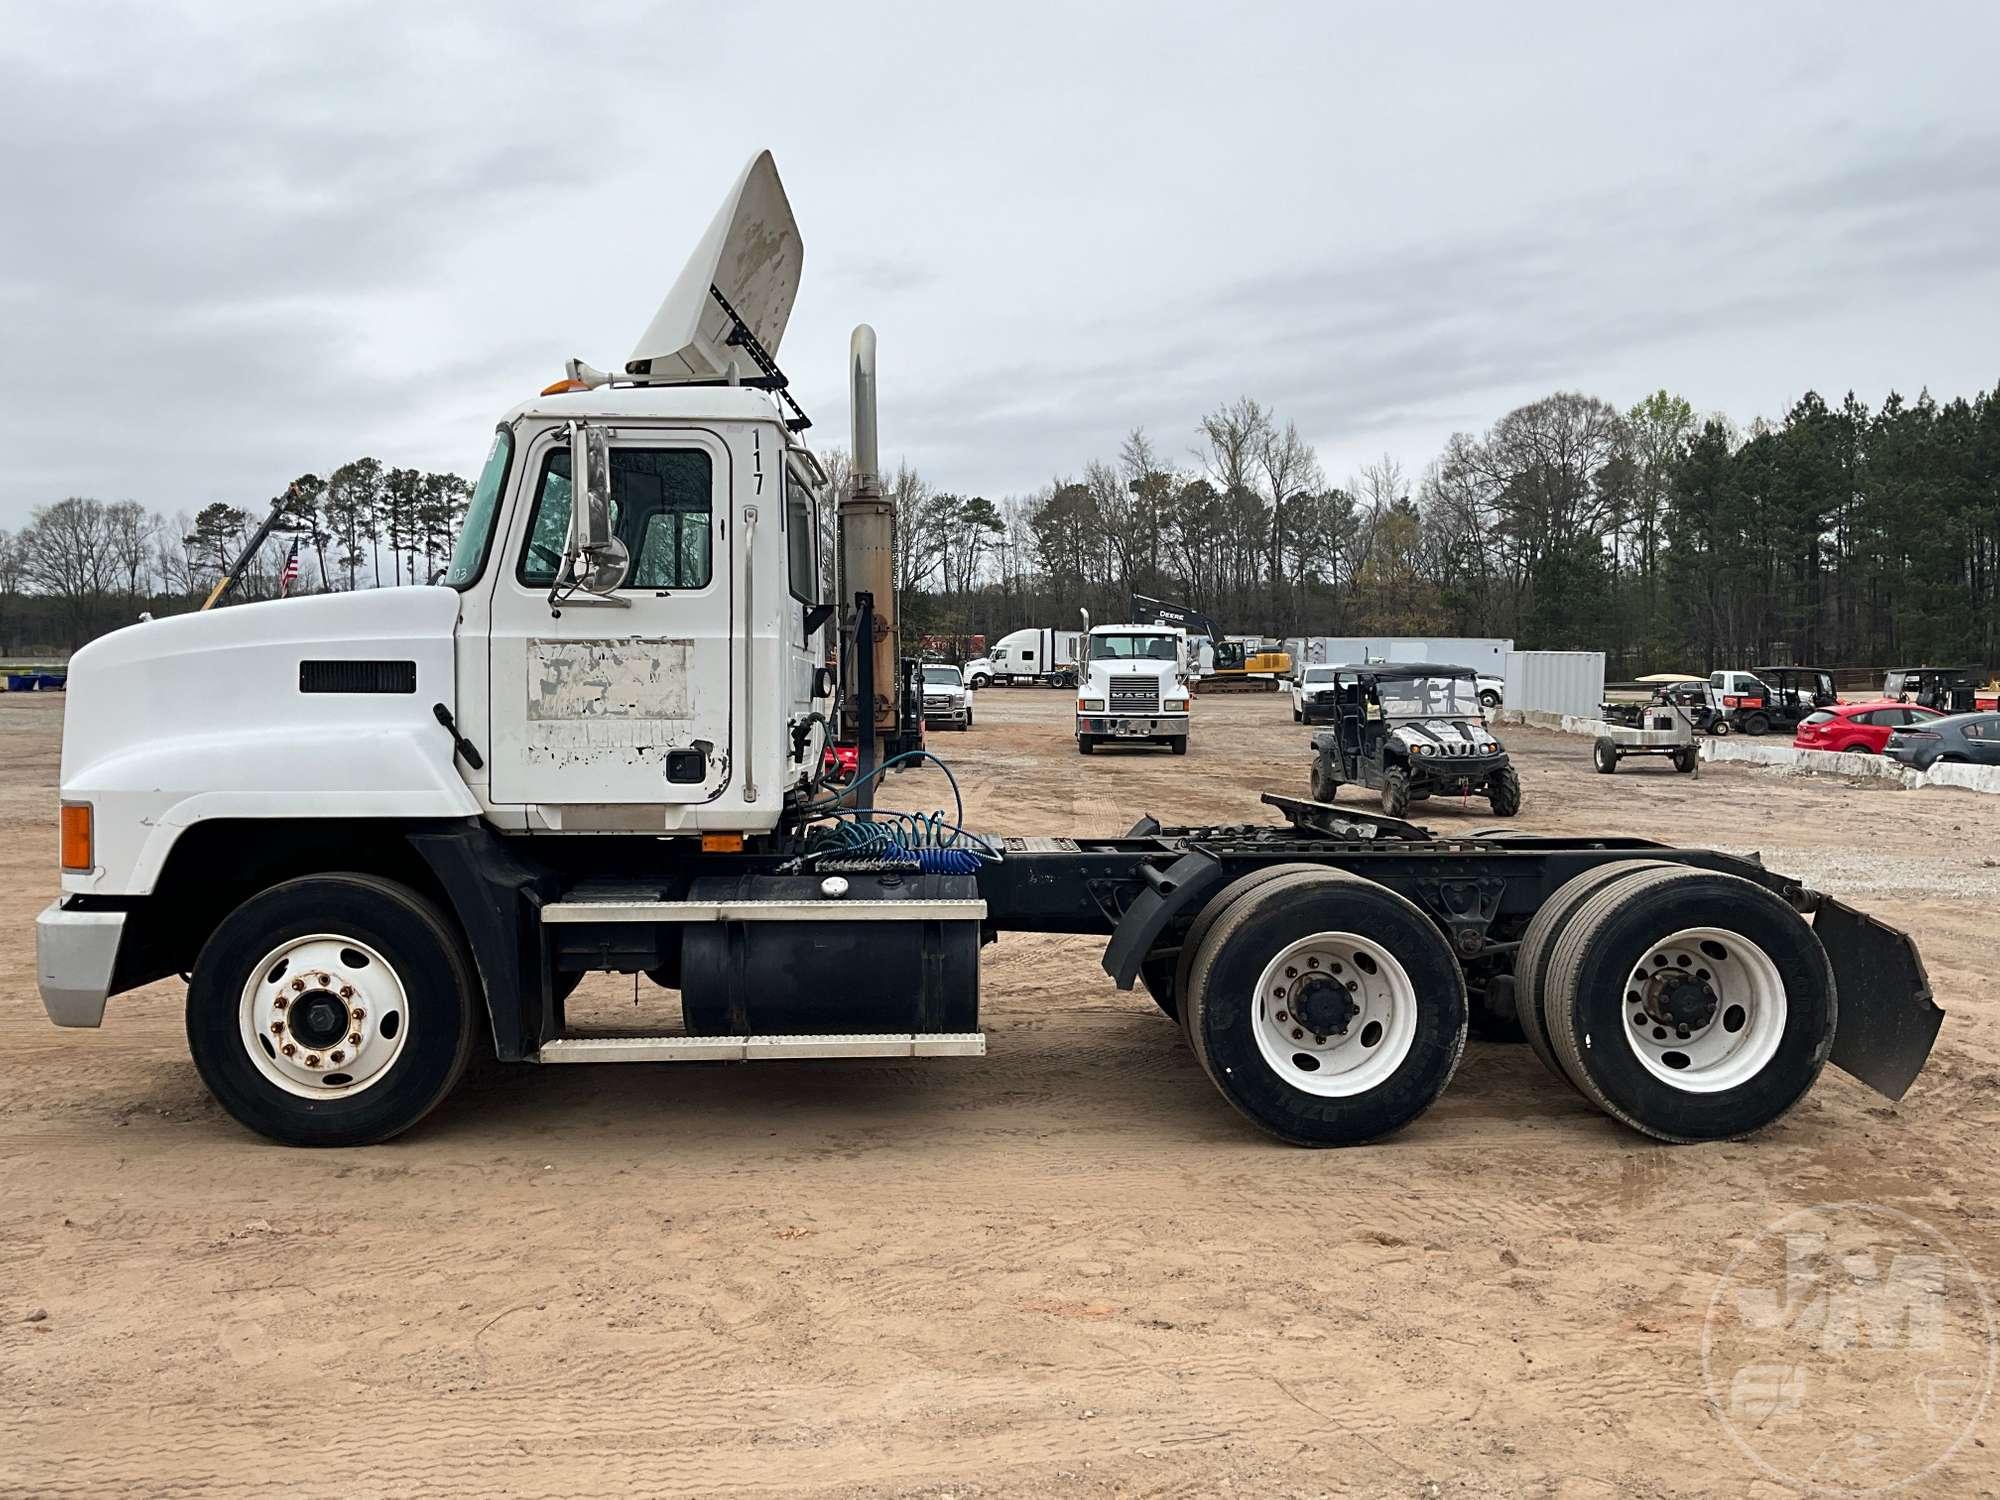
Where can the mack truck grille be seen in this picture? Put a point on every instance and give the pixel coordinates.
(1138, 695)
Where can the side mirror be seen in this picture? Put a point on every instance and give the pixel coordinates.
(598, 560)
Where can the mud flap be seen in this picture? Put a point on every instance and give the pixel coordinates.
(1182, 887)
(1887, 1019)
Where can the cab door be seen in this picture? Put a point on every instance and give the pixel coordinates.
(625, 698)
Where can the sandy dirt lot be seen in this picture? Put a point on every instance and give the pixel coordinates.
(1067, 1267)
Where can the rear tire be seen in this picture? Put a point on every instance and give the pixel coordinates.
(1684, 760)
(1157, 974)
(376, 1047)
(1212, 912)
(1756, 724)
(1503, 792)
(1396, 792)
(1690, 1005)
(1324, 948)
(1604, 755)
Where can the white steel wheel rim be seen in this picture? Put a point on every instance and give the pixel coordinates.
(287, 1010)
(1376, 1039)
(1743, 1029)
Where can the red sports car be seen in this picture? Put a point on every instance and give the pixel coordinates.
(1858, 726)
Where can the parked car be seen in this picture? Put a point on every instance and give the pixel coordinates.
(947, 700)
(1312, 694)
(1971, 739)
(1858, 726)
(1491, 690)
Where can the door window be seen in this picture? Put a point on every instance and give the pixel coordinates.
(661, 500)
(801, 527)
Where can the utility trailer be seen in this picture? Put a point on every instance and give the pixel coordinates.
(406, 822)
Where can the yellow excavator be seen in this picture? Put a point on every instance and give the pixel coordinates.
(1226, 663)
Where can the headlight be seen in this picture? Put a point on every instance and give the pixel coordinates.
(1487, 747)
(1422, 749)
(1090, 705)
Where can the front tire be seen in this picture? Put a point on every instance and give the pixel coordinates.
(1503, 792)
(1178, 744)
(333, 1010)
(1325, 785)
(1604, 755)
(1396, 792)
(1684, 760)
(1326, 1008)
(1085, 744)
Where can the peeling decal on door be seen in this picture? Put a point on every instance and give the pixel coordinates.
(627, 700)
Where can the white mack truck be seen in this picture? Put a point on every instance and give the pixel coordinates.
(1134, 686)
(378, 830)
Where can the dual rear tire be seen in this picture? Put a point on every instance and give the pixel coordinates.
(1690, 1005)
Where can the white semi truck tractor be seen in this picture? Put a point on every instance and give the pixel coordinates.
(378, 831)
(1133, 687)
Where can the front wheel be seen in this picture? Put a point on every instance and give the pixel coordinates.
(1325, 785)
(981, 680)
(1178, 744)
(1086, 744)
(1684, 760)
(1395, 792)
(1604, 755)
(1720, 728)
(334, 1010)
(1503, 792)
(1489, 700)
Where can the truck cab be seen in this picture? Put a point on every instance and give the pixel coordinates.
(1134, 687)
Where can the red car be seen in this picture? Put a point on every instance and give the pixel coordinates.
(1858, 726)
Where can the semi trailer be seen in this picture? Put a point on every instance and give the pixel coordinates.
(376, 831)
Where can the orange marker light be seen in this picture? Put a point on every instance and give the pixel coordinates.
(722, 843)
(563, 386)
(77, 853)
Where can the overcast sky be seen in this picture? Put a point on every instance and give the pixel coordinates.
(244, 242)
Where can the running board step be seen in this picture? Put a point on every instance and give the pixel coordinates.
(613, 1049)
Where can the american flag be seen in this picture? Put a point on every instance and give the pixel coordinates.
(291, 574)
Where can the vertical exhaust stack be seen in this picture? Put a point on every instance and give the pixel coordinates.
(868, 559)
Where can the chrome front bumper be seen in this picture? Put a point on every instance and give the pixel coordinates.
(1133, 726)
(75, 954)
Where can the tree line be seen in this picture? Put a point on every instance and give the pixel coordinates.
(1671, 540)
(1668, 539)
(82, 566)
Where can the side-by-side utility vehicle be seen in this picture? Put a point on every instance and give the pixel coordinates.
(378, 830)
(1411, 732)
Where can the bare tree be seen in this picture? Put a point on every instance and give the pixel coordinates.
(67, 554)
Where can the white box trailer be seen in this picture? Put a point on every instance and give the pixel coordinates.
(1486, 655)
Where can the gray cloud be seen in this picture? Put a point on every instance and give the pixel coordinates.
(242, 242)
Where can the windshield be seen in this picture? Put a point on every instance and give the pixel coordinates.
(942, 677)
(468, 558)
(1429, 697)
(1319, 674)
(1132, 648)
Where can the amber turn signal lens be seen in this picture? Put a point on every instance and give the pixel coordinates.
(722, 843)
(76, 850)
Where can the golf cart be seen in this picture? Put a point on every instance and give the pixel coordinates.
(1795, 693)
(1949, 690)
(1411, 731)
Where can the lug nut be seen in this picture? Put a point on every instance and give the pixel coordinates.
(1291, 973)
(298, 984)
(325, 979)
(357, 1015)
(277, 1028)
(335, 1056)
(1296, 1033)
(312, 1059)
(354, 1039)
(289, 1050)
(1319, 1041)
(280, 1003)
(1312, 963)
(1283, 1017)
(347, 992)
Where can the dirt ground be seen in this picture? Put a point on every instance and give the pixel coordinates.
(1066, 1267)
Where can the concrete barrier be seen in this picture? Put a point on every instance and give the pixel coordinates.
(1849, 763)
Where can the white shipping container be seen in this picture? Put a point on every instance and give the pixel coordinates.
(1555, 682)
(1486, 655)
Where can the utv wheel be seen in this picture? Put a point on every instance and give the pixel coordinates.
(1396, 792)
(1684, 760)
(1327, 1009)
(336, 1010)
(1178, 744)
(1605, 756)
(1325, 785)
(1085, 744)
(1503, 792)
(1531, 959)
(1693, 1006)
(1720, 728)
(1756, 724)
